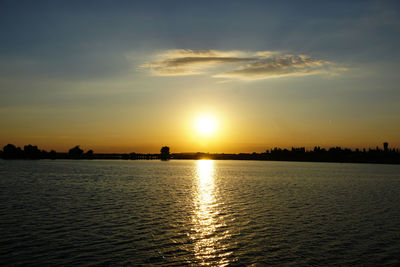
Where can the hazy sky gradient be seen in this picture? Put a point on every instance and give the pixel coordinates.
(130, 76)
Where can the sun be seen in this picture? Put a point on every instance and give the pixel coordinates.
(206, 125)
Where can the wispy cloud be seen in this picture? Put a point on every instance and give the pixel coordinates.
(241, 65)
(189, 62)
(278, 66)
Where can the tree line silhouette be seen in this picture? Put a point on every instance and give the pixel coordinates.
(318, 154)
(11, 151)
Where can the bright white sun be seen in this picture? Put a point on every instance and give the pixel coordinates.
(206, 125)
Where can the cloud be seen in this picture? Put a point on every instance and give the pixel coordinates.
(189, 62)
(278, 66)
(241, 65)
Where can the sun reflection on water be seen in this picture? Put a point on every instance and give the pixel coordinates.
(209, 249)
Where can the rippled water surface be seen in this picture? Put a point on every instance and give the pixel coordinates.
(198, 213)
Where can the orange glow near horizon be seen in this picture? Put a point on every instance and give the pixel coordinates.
(206, 127)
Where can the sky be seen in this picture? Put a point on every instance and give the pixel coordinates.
(132, 76)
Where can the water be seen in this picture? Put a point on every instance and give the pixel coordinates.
(198, 213)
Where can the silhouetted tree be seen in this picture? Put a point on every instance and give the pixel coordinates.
(12, 152)
(89, 154)
(386, 146)
(75, 152)
(32, 152)
(164, 153)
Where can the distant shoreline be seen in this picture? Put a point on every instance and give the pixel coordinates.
(176, 159)
(222, 156)
(335, 154)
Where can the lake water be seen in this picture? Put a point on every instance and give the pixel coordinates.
(68, 212)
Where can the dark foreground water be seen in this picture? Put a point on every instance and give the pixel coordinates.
(198, 212)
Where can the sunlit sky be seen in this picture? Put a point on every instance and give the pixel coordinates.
(130, 76)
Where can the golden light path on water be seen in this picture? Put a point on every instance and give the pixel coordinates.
(209, 249)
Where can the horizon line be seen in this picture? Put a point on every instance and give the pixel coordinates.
(266, 150)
